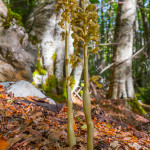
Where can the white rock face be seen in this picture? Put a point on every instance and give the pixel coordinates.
(3, 9)
(17, 54)
(6, 84)
(24, 89)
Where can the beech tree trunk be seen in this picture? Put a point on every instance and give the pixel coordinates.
(121, 83)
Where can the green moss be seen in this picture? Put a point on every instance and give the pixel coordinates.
(45, 87)
(42, 71)
(35, 72)
(50, 84)
(39, 67)
(136, 107)
(33, 83)
(33, 39)
(39, 70)
(57, 98)
(54, 57)
(10, 16)
(52, 81)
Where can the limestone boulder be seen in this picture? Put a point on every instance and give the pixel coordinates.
(24, 88)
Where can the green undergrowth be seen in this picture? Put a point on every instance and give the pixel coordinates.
(50, 84)
(136, 107)
(57, 98)
(143, 94)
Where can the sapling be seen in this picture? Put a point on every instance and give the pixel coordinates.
(67, 7)
(85, 29)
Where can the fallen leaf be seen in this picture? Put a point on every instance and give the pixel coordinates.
(75, 126)
(1, 86)
(135, 146)
(96, 132)
(127, 138)
(1, 106)
(3, 145)
(84, 127)
(82, 147)
(114, 144)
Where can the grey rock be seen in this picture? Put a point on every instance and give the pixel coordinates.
(17, 54)
(6, 84)
(3, 9)
(24, 89)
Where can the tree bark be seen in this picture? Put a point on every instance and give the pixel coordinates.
(121, 83)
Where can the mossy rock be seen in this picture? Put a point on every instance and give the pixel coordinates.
(10, 16)
(33, 39)
(36, 72)
(39, 67)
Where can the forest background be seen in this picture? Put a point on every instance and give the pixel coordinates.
(107, 11)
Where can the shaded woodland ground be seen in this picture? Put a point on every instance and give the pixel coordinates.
(32, 123)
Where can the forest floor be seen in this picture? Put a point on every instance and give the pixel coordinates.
(31, 123)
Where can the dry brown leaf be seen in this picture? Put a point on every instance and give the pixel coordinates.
(37, 114)
(96, 132)
(114, 144)
(82, 147)
(1, 106)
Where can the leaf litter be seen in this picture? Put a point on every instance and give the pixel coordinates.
(31, 123)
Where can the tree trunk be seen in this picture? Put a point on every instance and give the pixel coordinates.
(121, 83)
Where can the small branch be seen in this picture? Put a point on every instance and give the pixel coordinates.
(108, 44)
(15, 146)
(133, 56)
(106, 68)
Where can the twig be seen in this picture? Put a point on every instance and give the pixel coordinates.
(15, 146)
(108, 44)
(133, 56)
